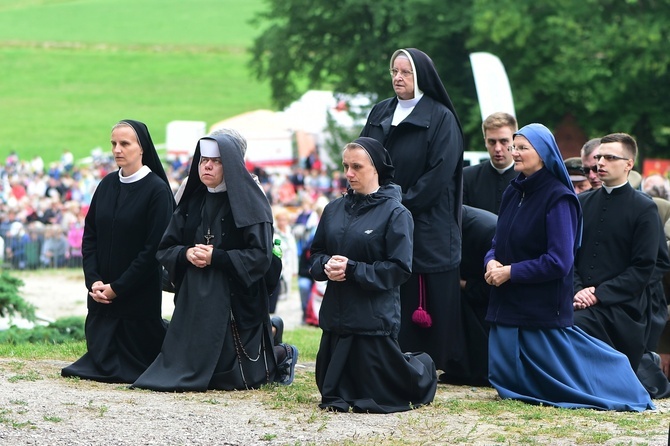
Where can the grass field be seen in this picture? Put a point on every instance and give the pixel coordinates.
(71, 69)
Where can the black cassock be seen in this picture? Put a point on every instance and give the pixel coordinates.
(479, 227)
(618, 256)
(219, 336)
(483, 186)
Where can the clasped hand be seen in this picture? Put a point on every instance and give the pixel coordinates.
(336, 268)
(584, 298)
(200, 255)
(496, 273)
(102, 293)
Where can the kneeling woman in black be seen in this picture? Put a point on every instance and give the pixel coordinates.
(363, 248)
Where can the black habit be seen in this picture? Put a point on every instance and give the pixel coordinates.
(479, 227)
(219, 336)
(123, 227)
(427, 150)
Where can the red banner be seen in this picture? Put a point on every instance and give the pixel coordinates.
(653, 166)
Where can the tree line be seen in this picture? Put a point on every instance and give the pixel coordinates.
(602, 62)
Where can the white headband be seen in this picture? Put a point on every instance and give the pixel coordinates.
(209, 148)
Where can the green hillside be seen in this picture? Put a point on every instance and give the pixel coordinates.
(69, 70)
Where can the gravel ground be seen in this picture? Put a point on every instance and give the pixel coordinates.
(38, 407)
(57, 411)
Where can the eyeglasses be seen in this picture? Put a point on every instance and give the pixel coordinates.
(517, 149)
(609, 157)
(403, 73)
(586, 170)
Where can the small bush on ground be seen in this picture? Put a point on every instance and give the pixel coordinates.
(63, 330)
(11, 302)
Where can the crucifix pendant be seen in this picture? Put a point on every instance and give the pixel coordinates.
(208, 236)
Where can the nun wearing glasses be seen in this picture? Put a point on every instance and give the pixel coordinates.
(420, 129)
(217, 249)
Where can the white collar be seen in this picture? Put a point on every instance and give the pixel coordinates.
(503, 170)
(609, 189)
(220, 188)
(137, 176)
(407, 103)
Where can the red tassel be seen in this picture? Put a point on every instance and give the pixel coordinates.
(420, 316)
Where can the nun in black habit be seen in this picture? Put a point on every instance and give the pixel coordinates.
(128, 214)
(217, 249)
(363, 247)
(420, 129)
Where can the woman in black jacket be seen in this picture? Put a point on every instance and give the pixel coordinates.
(363, 247)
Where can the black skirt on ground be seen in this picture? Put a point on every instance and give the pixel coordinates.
(371, 374)
(119, 349)
(205, 348)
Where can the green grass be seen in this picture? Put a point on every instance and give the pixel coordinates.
(306, 338)
(129, 22)
(65, 82)
(67, 351)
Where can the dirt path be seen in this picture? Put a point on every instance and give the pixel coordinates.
(63, 293)
(39, 407)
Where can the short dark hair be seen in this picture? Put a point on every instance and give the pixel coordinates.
(589, 146)
(626, 141)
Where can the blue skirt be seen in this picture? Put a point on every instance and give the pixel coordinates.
(562, 367)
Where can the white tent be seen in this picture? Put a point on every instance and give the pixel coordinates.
(268, 135)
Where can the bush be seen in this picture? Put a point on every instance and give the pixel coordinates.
(63, 330)
(11, 303)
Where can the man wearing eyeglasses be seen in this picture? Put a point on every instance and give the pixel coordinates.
(484, 183)
(622, 240)
(589, 164)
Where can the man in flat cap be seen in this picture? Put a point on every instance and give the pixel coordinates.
(579, 180)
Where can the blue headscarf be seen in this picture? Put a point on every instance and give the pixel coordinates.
(545, 145)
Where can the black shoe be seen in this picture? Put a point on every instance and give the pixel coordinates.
(286, 369)
(278, 324)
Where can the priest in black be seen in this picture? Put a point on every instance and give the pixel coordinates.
(217, 250)
(618, 255)
(129, 212)
(484, 183)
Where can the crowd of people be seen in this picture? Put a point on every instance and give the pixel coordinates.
(527, 272)
(42, 209)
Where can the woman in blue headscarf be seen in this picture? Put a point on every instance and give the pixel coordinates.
(536, 355)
